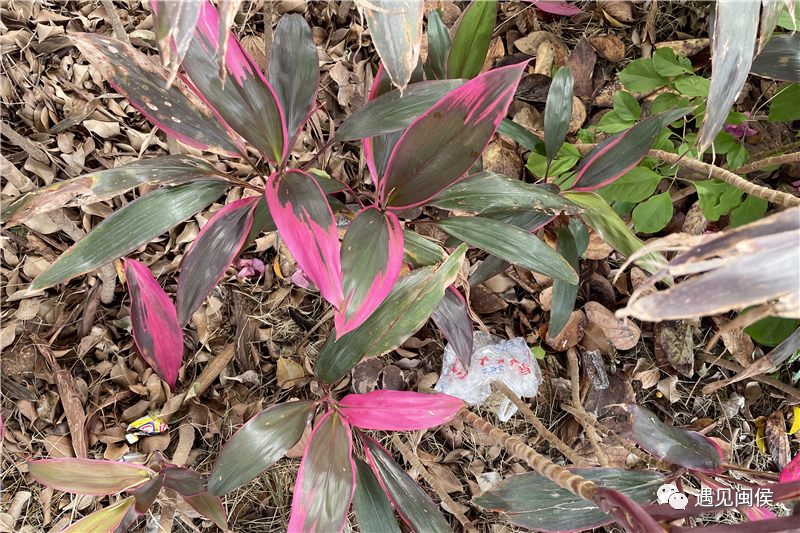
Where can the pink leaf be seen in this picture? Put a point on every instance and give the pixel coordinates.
(390, 410)
(792, 470)
(372, 254)
(305, 222)
(154, 322)
(556, 7)
(759, 513)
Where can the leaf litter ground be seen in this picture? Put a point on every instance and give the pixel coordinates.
(60, 122)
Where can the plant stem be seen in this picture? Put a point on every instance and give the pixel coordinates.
(768, 162)
(560, 445)
(116, 23)
(733, 367)
(777, 151)
(770, 195)
(434, 482)
(602, 456)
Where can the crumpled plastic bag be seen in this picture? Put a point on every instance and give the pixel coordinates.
(493, 359)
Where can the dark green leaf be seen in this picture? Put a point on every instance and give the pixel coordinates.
(394, 111)
(294, 70)
(534, 502)
(752, 209)
(419, 251)
(210, 507)
(667, 64)
(263, 440)
(402, 313)
(734, 39)
(772, 331)
(174, 22)
(780, 59)
(130, 227)
(214, 248)
(784, 106)
(472, 39)
(487, 190)
(519, 133)
(438, 45)
(184, 481)
(510, 243)
(581, 235)
(563, 301)
(634, 186)
(557, 113)
(674, 445)
(178, 111)
(373, 509)
(717, 198)
(326, 479)
(262, 223)
(145, 495)
(411, 502)
(104, 184)
(625, 105)
(452, 317)
(640, 76)
(651, 216)
(396, 28)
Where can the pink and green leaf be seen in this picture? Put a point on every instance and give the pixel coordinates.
(88, 476)
(441, 145)
(184, 481)
(145, 495)
(305, 222)
(372, 254)
(378, 149)
(755, 514)
(211, 252)
(390, 410)
(400, 315)
(675, 445)
(154, 322)
(294, 71)
(103, 185)
(471, 41)
(177, 111)
(211, 507)
(452, 317)
(326, 479)
(105, 521)
(411, 502)
(174, 23)
(263, 440)
(557, 7)
(130, 227)
(396, 28)
(792, 470)
(246, 101)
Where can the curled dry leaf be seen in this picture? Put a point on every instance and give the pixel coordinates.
(623, 334)
(619, 10)
(673, 342)
(289, 373)
(571, 334)
(610, 47)
(647, 373)
(777, 440)
(578, 116)
(669, 388)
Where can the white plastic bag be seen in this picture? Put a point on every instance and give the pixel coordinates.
(493, 359)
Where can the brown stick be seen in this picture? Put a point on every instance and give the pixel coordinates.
(602, 456)
(768, 162)
(559, 444)
(733, 367)
(434, 482)
(211, 371)
(587, 418)
(770, 195)
(116, 23)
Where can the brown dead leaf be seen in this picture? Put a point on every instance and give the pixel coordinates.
(610, 47)
(485, 302)
(546, 299)
(668, 387)
(289, 373)
(500, 159)
(578, 116)
(687, 47)
(777, 440)
(595, 339)
(619, 10)
(623, 334)
(639, 278)
(530, 44)
(597, 248)
(392, 378)
(496, 51)
(446, 477)
(533, 88)
(296, 451)
(674, 343)
(739, 344)
(366, 374)
(571, 334)
(582, 63)
(58, 446)
(695, 223)
(545, 57)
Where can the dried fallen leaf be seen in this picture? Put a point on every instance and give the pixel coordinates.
(777, 440)
(571, 334)
(597, 248)
(485, 302)
(446, 476)
(296, 451)
(673, 342)
(578, 116)
(366, 374)
(595, 339)
(668, 387)
(289, 373)
(623, 334)
(610, 47)
(582, 61)
(620, 10)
